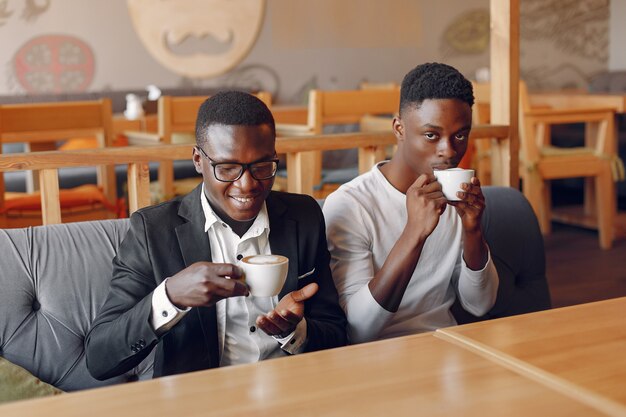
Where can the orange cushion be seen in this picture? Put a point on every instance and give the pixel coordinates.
(72, 197)
(120, 140)
(79, 143)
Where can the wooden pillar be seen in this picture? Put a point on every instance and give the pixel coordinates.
(504, 89)
(50, 203)
(300, 168)
(138, 186)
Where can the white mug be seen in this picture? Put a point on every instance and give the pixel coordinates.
(451, 179)
(265, 275)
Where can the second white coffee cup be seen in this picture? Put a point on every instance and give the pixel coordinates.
(265, 275)
(451, 180)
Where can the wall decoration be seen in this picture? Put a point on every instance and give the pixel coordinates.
(468, 33)
(579, 27)
(227, 29)
(563, 43)
(563, 76)
(54, 64)
(5, 13)
(254, 77)
(32, 10)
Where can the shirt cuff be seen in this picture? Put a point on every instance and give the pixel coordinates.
(164, 314)
(479, 274)
(366, 318)
(296, 341)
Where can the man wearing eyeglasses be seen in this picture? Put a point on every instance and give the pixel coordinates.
(176, 285)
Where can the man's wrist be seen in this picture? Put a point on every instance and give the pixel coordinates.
(171, 297)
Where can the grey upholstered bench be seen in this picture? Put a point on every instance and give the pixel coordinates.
(53, 280)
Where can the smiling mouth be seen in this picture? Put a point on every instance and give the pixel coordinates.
(243, 200)
(192, 43)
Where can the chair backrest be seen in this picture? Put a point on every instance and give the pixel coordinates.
(36, 123)
(349, 106)
(511, 230)
(177, 114)
(54, 280)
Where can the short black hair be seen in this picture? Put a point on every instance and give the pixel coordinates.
(434, 80)
(232, 108)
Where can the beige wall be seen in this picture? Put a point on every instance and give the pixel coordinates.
(452, 31)
(617, 37)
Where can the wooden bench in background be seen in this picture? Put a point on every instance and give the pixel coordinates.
(40, 126)
(344, 107)
(176, 121)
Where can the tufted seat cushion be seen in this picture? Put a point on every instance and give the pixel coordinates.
(54, 280)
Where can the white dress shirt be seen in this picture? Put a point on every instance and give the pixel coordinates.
(239, 339)
(364, 220)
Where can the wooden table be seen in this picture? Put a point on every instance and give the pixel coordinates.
(579, 349)
(581, 100)
(414, 375)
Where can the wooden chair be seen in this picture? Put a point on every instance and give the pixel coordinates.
(597, 162)
(339, 108)
(176, 125)
(40, 126)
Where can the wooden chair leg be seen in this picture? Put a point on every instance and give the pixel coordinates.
(547, 207)
(166, 179)
(317, 168)
(534, 193)
(606, 207)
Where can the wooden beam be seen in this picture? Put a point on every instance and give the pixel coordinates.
(300, 167)
(50, 203)
(138, 186)
(504, 88)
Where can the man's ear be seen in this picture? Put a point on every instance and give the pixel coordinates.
(398, 128)
(197, 160)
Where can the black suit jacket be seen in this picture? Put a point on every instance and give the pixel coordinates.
(169, 237)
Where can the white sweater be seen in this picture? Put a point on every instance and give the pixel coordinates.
(364, 220)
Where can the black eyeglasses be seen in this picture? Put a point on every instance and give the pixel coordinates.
(232, 171)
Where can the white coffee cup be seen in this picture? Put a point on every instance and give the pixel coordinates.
(265, 274)
(451, 179)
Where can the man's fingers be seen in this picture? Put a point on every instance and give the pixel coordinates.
(305, 293)
(229, 287)
(289, 317)
(227, 270)
(423, 180)
(277, 321)
(267, 326)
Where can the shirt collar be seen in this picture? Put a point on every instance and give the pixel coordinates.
(260, 224)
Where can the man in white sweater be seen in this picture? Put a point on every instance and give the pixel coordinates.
(401, 253)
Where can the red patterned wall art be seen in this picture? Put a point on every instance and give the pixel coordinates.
(54, 64)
